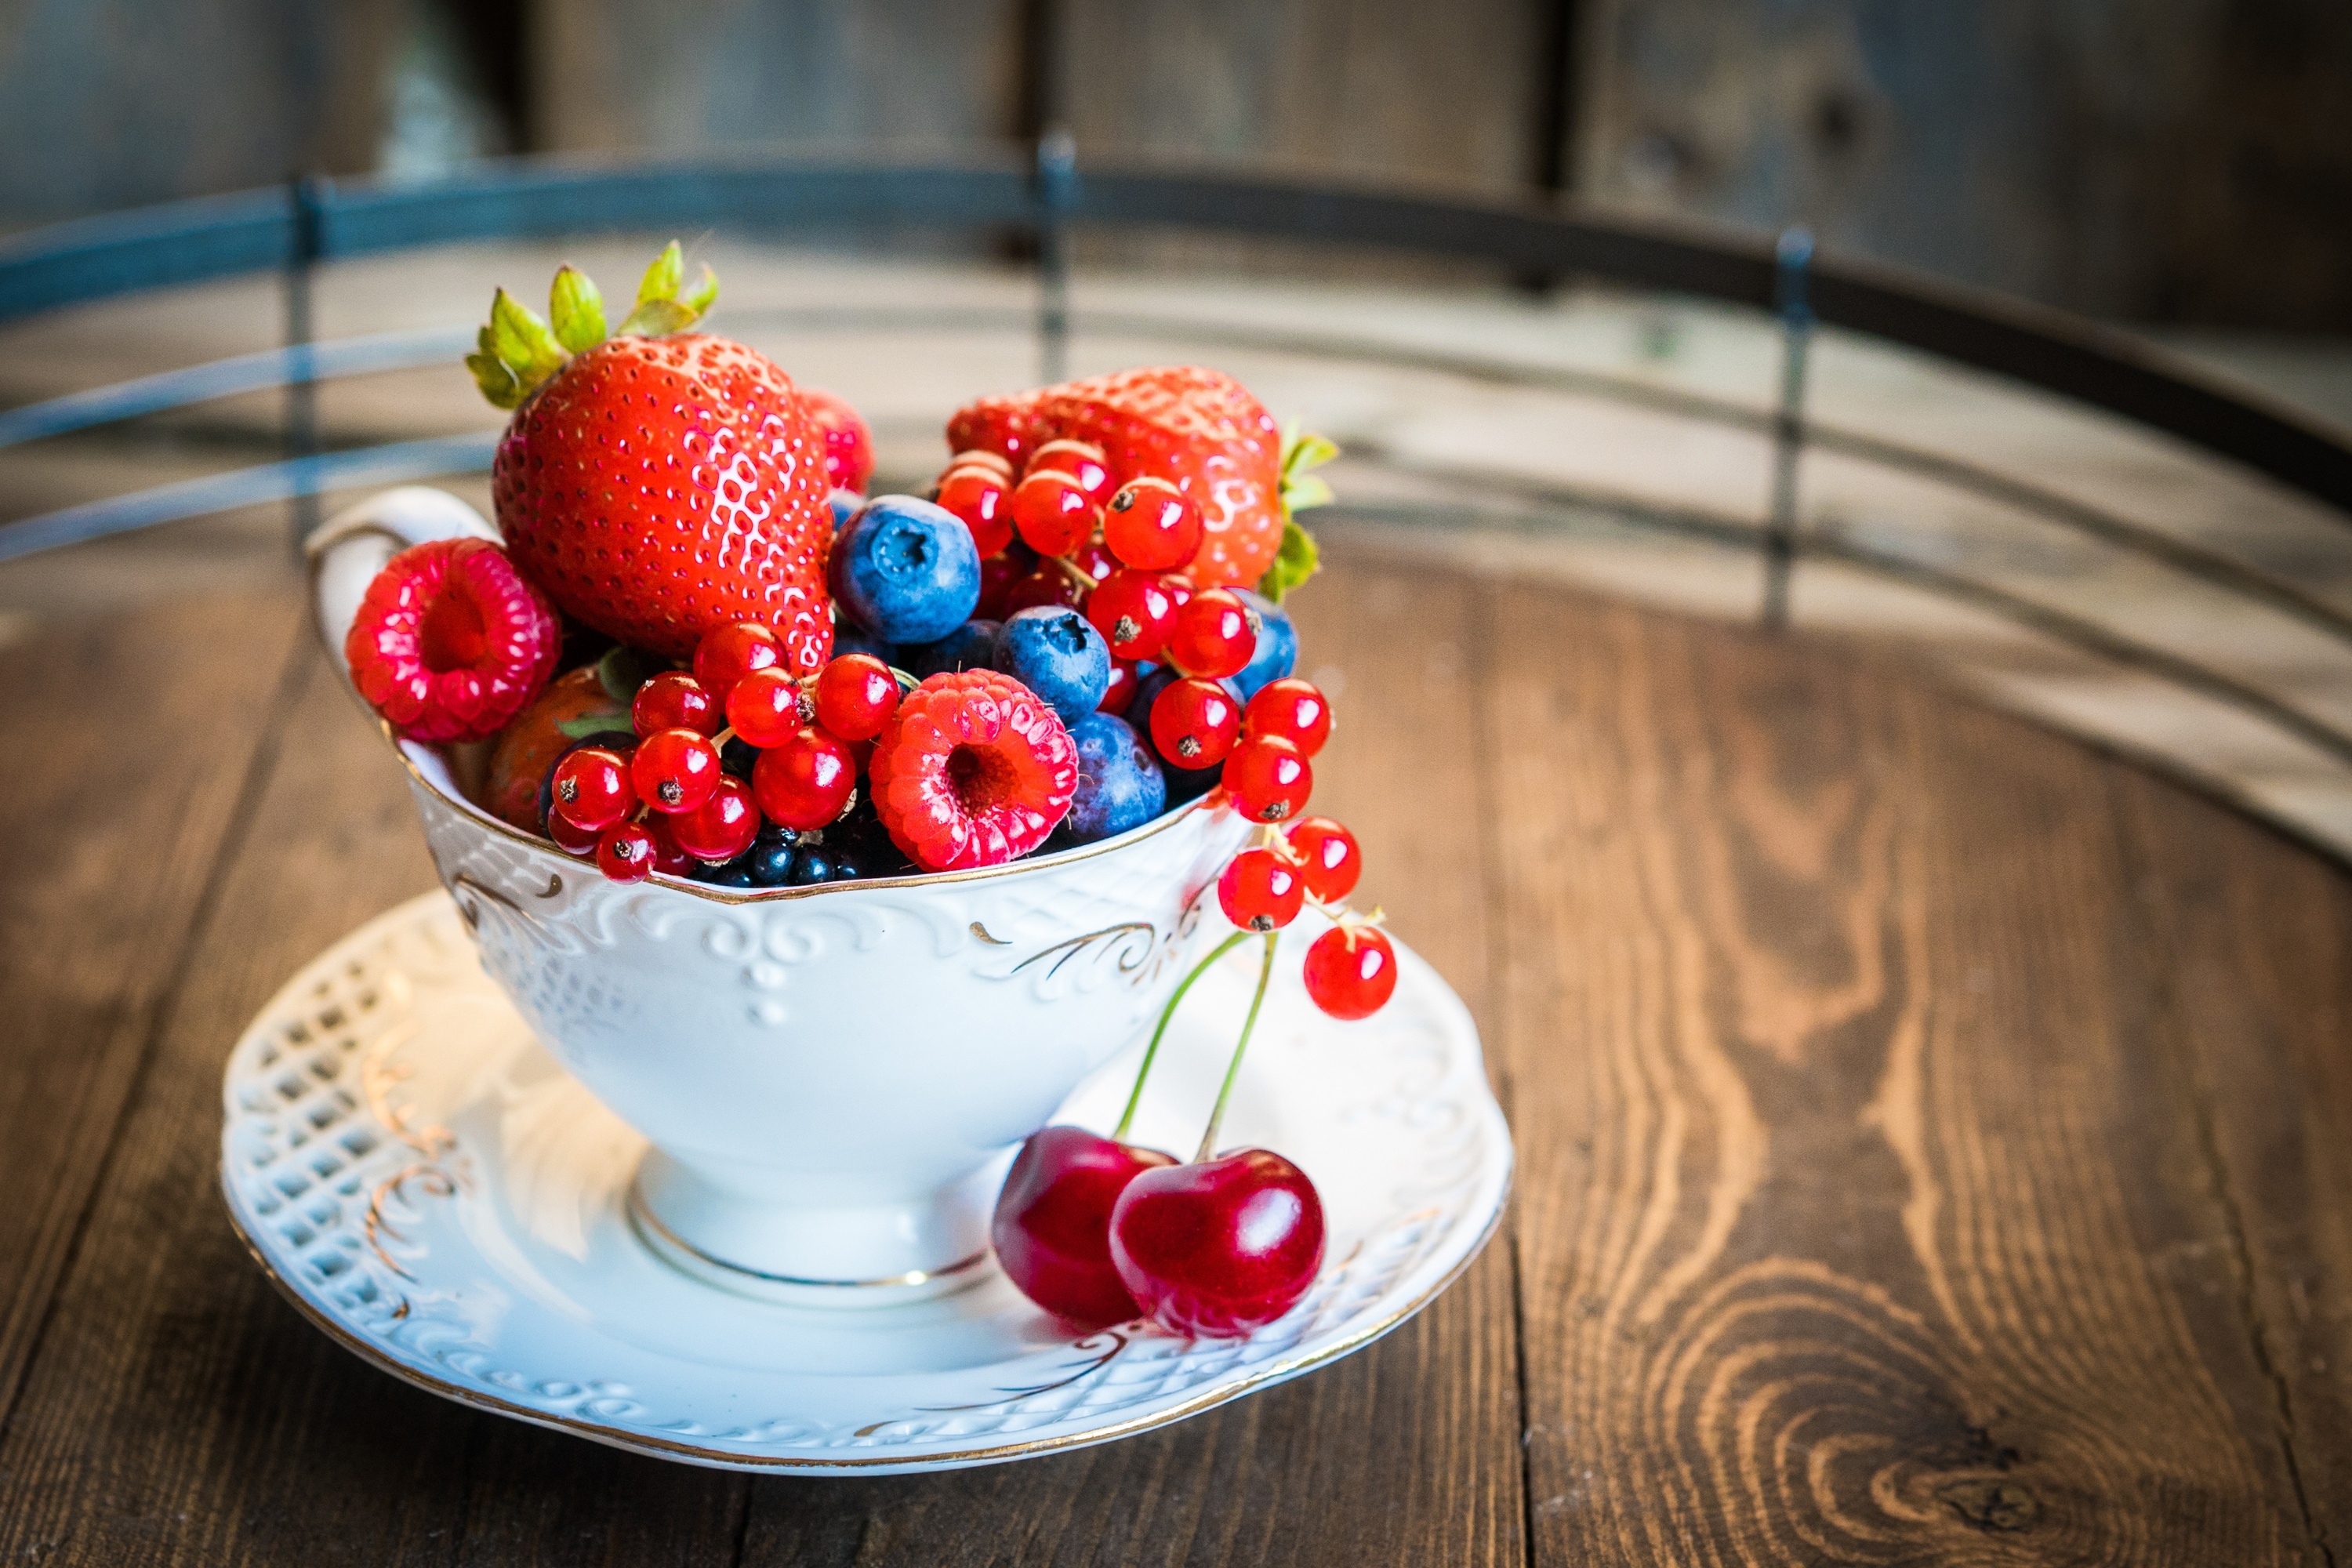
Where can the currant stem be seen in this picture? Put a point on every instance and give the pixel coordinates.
(1217, 1112)
(1078, 573)
(1127, 1119)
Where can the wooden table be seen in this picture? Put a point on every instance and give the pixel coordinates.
(1932, 1136)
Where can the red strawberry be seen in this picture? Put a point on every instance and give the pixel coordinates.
(1199, 429)
(657, 488)
(971, 770)
(1006, 425)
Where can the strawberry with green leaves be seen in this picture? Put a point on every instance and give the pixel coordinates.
(657, 483)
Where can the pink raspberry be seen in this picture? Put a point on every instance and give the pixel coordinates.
(971, 770)
(450, 642)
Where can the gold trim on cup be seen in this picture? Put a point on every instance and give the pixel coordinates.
(642, 1217)
(718, 895)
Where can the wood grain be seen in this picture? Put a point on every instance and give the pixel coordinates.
(1404, 1453)
(2252, 941)
(134, 747)
(180, 1411)
(1930, 1148)
(1855, 1223)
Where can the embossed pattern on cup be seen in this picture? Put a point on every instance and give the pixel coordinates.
(832, 1077)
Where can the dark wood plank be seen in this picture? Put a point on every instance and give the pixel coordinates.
(133, 740)
(1394, 88)
(2252, 936)
(180, 1412)
(1857, 1223)
(1406, 1452)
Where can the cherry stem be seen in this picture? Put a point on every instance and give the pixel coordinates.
(1127, 1119)
(1217, 1112)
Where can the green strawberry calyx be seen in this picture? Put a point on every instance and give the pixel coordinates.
(1296, 559)
(518, 349)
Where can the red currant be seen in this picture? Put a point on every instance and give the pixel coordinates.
(1268, 778)
(674, 770)
(1180, 587)
(1351, 971)
(594, 789)
(675, 700)
(767, 706)
(1045, 585)
(1195, 722)
(983, 500)
(856, 696)
(722, 826)
(579, 841)
(1053, 512)
(1260, 890)
(1152, 526)
(1121, 690)
(727, 654)
(1082, 460)
(806, 782)
(1328, 857)
(995, 462)
(1292, 709)
(1132, 610)
(626, 852)
(1212, 634)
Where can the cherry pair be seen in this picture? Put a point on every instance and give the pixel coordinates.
(1098, 1230)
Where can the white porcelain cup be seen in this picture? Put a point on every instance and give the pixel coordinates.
(832, 1079)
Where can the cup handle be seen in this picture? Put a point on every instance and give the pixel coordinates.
(349, 548)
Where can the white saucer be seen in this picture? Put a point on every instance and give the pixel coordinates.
(433, 1192)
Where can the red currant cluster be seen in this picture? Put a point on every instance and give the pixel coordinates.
(670, 799)
(1350, 969)
(1098, 1229)
(1114, 555)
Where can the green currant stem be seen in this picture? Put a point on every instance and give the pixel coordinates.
(1127, 1120)
(1217, 1112)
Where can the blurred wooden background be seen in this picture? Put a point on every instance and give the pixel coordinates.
(2184, 161)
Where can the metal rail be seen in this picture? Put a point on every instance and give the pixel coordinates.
(1046, 197)
(188, 242)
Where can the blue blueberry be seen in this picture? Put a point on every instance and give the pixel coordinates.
(735, 873)
(906, 569)
(1119, 785)
(770, 859)
(844, 505)
(1278, 645)
(1056, 653)
(972, 646)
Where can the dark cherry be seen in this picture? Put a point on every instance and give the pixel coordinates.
(1220, 1247)
(1052, 1226)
